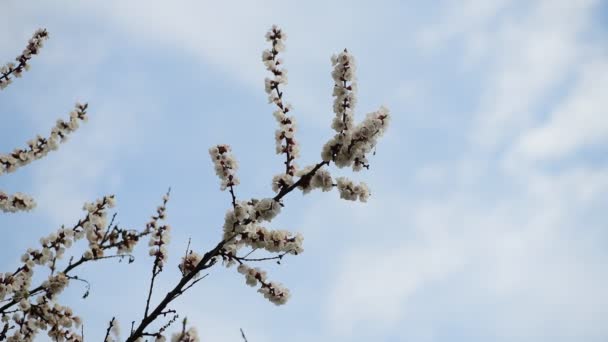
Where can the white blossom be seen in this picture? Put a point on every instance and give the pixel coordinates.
(281, 181)
(345, 85)
(352, 149)
(349, 191)
(225, 165)
(16, 202)
(267, 209)
(191, 335)
(272, 240)
(189, 262)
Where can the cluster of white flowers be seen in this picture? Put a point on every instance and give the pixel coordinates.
(159, 234)
(241, 229)
(284, 136)
(349, 147)
(33, 46)
(189, 262)
(349, 191)
(320, 179)
(275, 292)
(16, 202)
(55, 284)
(58, 320)
(94, 226)
(248, 212)
(158, 243)
(225, 165)
(243, 221)
(190, 335)
(272, 240)
(281, 181)
(266, 209)
(345, 87)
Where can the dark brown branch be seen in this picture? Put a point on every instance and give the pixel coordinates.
(109, 328)
(243, 335)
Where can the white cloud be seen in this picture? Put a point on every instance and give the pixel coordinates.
(533, 56)
(529, 52)
(524, 271)
(578, 121)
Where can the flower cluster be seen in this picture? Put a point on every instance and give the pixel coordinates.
(58, 320)
(16, 202)
(284, 136)
(275, 292)
(55, 284)
(241, 229)
(320, 179)
(275, 241)
(94, 226)
(352, 149)
(349, 147)
(345, 87)
(190, 335)
(159, 234)
(349, 191)
(158, 241)
(33, 46)
(189, 262)
(225, 165)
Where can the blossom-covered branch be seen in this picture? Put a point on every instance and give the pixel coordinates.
(284, 136)
(11, 69)
(37, 149)
(40, 147)
(27, 310)
(242, 223)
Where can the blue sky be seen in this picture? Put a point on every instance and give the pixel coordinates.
(487, 216)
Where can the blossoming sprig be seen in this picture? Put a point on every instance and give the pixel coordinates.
(345, 87)
(37, 148)
(15, 202)
(284, 136)
(274, 292)
(159, 237)
(349, 147)
(33, 47)
(40, 147)
(113, 331)
(225, 167)
(189, 335)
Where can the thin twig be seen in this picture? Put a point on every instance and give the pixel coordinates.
(243, 335)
